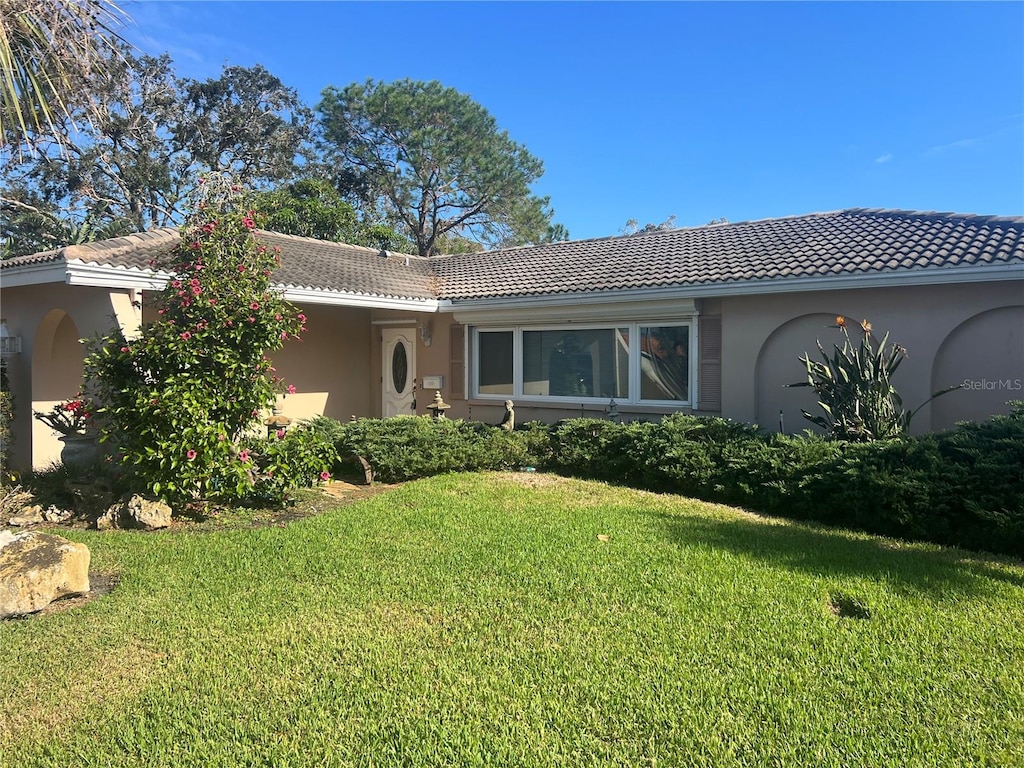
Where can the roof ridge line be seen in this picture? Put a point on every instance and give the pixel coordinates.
(366, 248)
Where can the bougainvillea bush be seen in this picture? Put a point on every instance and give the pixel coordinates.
(177, 400)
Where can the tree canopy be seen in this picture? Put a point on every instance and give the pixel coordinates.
(435, 162)
(314, 208)
(408, 166)
(141, 155)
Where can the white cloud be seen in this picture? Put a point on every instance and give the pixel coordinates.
(953, 145)
(884, 158)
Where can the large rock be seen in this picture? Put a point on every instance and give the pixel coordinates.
(38, 568)
(30, 515)
(137, 512)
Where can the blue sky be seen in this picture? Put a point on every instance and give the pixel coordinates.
(697, 110)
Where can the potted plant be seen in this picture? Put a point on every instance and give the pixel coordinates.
(72, 419)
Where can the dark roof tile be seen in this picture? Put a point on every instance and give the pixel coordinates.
(851, 242)
(854, 242)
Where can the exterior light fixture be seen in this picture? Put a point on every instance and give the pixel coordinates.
(9, 345)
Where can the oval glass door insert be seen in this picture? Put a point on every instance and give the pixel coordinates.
(399, 367)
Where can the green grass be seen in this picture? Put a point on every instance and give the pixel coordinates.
(479, 620)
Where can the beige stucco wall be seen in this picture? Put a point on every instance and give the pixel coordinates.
(972, 332)
(50, 319)
(329, 366)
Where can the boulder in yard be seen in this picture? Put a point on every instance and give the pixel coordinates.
(38, 568)
(30, 515)
(136, 512)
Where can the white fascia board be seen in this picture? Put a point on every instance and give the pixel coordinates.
(340, 299)
(33, 274)
(565, 304)
(581, 310)
(103, 276)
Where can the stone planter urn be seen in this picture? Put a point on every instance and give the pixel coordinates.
(80, 451)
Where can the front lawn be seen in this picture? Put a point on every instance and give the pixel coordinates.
(522, 620)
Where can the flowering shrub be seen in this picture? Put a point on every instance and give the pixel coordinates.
(298, 458)
(178, 399)
(72, 417)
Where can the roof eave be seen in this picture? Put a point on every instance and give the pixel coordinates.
(347, 299)
(972, 274)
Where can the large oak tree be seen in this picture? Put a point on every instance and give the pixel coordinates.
(141, 154)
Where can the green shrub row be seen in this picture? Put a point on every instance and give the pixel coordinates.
(409, 447)
(963, 487)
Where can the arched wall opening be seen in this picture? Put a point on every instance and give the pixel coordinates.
(984, 354)
(778, 364)
(57, 357)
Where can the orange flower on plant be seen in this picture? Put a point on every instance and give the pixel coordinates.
(865, 326)
(841, 321)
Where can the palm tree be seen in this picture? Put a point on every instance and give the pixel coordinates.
(48, 49)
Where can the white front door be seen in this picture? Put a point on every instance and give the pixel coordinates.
(398, 355)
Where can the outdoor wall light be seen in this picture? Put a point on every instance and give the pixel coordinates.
(425, 334)
(9, 345)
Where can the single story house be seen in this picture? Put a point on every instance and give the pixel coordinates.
(710, 320)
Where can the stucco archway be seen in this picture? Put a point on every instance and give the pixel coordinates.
(985, 353)
(778, 364)
(57, 357)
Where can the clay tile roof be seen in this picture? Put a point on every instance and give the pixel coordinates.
(850, 242)
(854, 242)
(305, 263)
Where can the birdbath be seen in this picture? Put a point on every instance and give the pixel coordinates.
(438, 407)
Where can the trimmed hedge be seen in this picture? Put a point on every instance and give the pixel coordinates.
(963, 487)
(405, 448)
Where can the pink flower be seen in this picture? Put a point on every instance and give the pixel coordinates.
(280, 434)
(243, 455)
(222, 437)
(249, 223)
(125, 349)
(241, 267)
(196, 290)
(325, 476)
(291, 389)
(284, 335)
(176, 283)
(186, 336)
(302, 317)
(160, 311)
(278, 316)
(190, 454)
(254, 305)
(252, 319)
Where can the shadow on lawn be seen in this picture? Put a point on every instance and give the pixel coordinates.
(935, 574)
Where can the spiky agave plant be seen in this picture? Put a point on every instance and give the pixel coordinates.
(855, 390)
